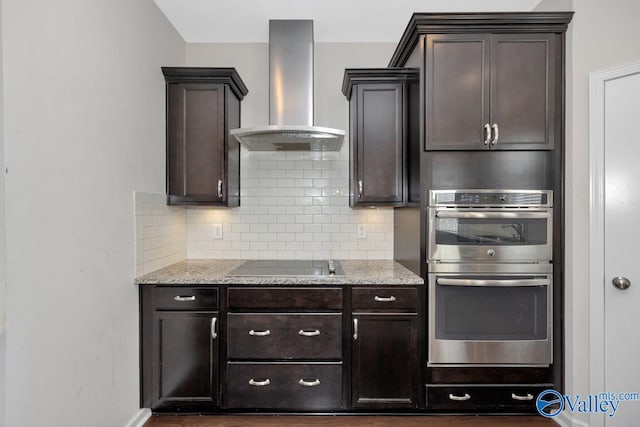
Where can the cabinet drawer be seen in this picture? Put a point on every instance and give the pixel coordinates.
(185, 298)
(284, 336)
(284, 386)
(385, 297)
(285, 298)
(484, 398)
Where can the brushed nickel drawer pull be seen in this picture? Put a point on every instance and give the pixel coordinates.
(384, 299)
(259, 333)
(521, 397)
(306, 383)
(214, 334)
(309, 333)
(184, 298)
(259, 383)
(462, 398)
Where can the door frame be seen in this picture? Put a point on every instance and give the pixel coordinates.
(597, 83)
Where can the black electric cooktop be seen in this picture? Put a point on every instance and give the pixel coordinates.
(268, 267)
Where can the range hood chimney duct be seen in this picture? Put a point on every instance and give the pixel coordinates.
(290, 95)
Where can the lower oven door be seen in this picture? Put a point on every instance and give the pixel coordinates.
(490, 319)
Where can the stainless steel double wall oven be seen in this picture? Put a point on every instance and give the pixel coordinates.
(490, 277)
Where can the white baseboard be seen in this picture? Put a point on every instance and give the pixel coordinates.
(565, 420)
(139, 418)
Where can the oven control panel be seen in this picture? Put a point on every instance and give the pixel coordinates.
(491, 198)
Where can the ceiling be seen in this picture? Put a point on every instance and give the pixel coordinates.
(242, 21)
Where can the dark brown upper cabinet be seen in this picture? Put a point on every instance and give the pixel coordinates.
(490, 81)
(490, 91)
(382, 134)
(203, 161)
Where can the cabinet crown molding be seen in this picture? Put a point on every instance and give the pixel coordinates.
(228, 76)
(480, 22)
(354, 76)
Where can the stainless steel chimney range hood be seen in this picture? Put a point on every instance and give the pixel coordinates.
(290, 95)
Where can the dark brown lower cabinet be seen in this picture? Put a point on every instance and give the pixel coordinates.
(179, 347)
(284, 349)
(385, 370)
(185, 354)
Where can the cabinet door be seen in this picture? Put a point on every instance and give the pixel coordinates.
(457, 91)
(185, 365)
(385, 361)
(379, 148)
(195, 143)
(523, 90)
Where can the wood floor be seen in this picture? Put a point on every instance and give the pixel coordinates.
(346, 421)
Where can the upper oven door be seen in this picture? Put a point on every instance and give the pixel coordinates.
(493, 235)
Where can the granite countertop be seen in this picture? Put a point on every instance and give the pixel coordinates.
(214, 272)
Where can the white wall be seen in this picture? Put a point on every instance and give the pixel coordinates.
(293, 205)
(84, 128)
(3, 275)
(602, 35)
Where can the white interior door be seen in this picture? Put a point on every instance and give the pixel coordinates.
(621, 250)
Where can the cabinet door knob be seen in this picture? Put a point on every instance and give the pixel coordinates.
(487, 133)
(457, 398)
(220, 189)
(496, 134)
(259, 333)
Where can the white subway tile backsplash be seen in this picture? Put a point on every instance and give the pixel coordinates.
(312, 210)
(304, 237)
(313, 228)
(161, 231)
(329, 228)
(285, 219)
(296, 228)
(304, 219)
(294, 205)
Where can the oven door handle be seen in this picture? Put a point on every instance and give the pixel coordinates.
(494, 215)
(492, 282)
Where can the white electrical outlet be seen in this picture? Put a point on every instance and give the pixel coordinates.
(217, 231)
(362, 231)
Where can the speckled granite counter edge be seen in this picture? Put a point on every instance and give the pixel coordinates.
(214, 272)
